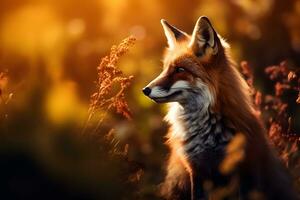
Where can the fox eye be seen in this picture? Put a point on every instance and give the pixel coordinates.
(179, 69)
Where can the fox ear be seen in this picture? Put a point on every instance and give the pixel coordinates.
(204, 38)
(172, 33)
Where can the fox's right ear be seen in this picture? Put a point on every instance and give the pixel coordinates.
(172, 33)
(204, 41)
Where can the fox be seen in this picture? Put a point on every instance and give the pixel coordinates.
(218, 144)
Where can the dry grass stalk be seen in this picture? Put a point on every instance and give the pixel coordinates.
(279, 123)
(111, 84)
(4, 96)
(2, 77)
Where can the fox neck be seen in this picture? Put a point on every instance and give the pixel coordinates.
(196, 128)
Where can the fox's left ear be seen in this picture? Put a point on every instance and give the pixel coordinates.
(204, 39)
(172, 33)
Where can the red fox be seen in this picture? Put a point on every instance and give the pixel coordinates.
(213, 123)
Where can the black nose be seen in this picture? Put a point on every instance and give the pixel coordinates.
(147, 91)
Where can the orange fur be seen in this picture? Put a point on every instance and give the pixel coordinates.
(229, 97)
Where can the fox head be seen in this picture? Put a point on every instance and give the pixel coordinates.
(190, 65)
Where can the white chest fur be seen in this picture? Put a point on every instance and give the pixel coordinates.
(197, 130)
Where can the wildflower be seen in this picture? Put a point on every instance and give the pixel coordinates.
(109, 77)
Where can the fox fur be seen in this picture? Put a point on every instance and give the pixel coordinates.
(213, 122)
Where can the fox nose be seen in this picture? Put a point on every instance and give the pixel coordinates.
(147, 91)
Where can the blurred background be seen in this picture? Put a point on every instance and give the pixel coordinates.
(49, 53)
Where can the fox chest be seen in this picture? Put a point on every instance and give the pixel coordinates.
(203, 141)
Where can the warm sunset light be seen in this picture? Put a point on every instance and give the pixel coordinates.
(130, 99)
